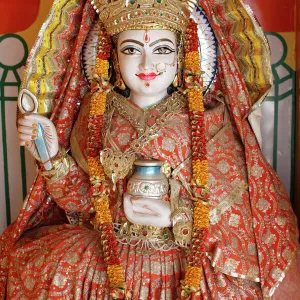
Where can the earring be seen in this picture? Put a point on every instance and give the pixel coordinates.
(180, 61)
(176, 81)
(120, 84)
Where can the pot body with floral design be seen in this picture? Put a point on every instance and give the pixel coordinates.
(148, 180)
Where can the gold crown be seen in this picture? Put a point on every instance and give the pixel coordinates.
(118, 16)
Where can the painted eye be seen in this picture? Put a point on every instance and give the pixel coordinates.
(131, 51)
(163, 50)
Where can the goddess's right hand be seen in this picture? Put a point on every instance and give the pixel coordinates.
(27, 128)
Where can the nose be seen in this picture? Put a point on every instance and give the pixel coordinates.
(147, 62)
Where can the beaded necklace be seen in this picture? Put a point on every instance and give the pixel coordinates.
(147, 108)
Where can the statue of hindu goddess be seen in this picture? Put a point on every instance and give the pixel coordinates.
(151, 181)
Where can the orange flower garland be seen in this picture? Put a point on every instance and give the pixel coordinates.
(99, 197)
(200, 180)
(99, 192)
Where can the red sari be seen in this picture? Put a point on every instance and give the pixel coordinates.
(253, 235)
(60, 261)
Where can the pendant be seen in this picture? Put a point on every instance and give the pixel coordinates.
(116, 164)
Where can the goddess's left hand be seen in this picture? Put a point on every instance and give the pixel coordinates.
(147, 211)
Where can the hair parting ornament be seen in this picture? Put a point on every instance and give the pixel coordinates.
(193, 88)
(146, 37)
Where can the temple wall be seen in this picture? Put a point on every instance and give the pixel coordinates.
(278, 122)
(297, 138)
(17, 35)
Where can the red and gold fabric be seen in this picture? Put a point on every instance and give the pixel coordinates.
(62, 240)
(252, 237)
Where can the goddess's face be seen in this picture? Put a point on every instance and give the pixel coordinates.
(148, 60)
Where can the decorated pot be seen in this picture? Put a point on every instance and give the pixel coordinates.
(148, 180)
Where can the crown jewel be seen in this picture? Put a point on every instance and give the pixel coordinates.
(118, 16)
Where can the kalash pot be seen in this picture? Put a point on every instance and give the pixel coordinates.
(148, 180)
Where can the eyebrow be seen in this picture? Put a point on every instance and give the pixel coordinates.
(152, 44)
(161, 40)
(132, 41)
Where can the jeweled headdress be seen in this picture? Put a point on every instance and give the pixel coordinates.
(118, 16)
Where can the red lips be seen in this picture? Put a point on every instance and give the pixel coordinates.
(147, 77)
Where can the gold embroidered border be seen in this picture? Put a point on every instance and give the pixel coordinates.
(44, 67)
(253, 54)
(227, 202)
(283, 274)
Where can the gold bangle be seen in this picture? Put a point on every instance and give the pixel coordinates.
(181, 210)
(182, 231)
(59, 157)
(61, 165)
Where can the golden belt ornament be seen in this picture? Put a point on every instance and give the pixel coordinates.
(147, 239)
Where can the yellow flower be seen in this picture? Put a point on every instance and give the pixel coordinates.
(98, 102)
(115, 275)
(95, 168)
(101, 67)
(201, 215)
(192, 62)
(195, 99)
(101, 205)
(200, 172)
(193, 277)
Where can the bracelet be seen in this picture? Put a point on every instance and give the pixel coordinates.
(182, 226)
(182, 231)
(61, 164)
(181, 214)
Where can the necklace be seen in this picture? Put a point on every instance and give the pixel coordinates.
(117, 164)
(147, 108)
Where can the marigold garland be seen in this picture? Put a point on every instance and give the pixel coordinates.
(102, 67)
(99, 198)
(193, 85)
(200, 179)
(200, 172)
(193, 276)
(95, 168)
(101, 205)
(115, 274)
(192, 62)
(194, 103)
(201, 215)
(98, 104)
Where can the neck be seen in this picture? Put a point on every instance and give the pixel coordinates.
(143, 101)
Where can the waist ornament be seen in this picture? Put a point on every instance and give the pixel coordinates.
(147, 239)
